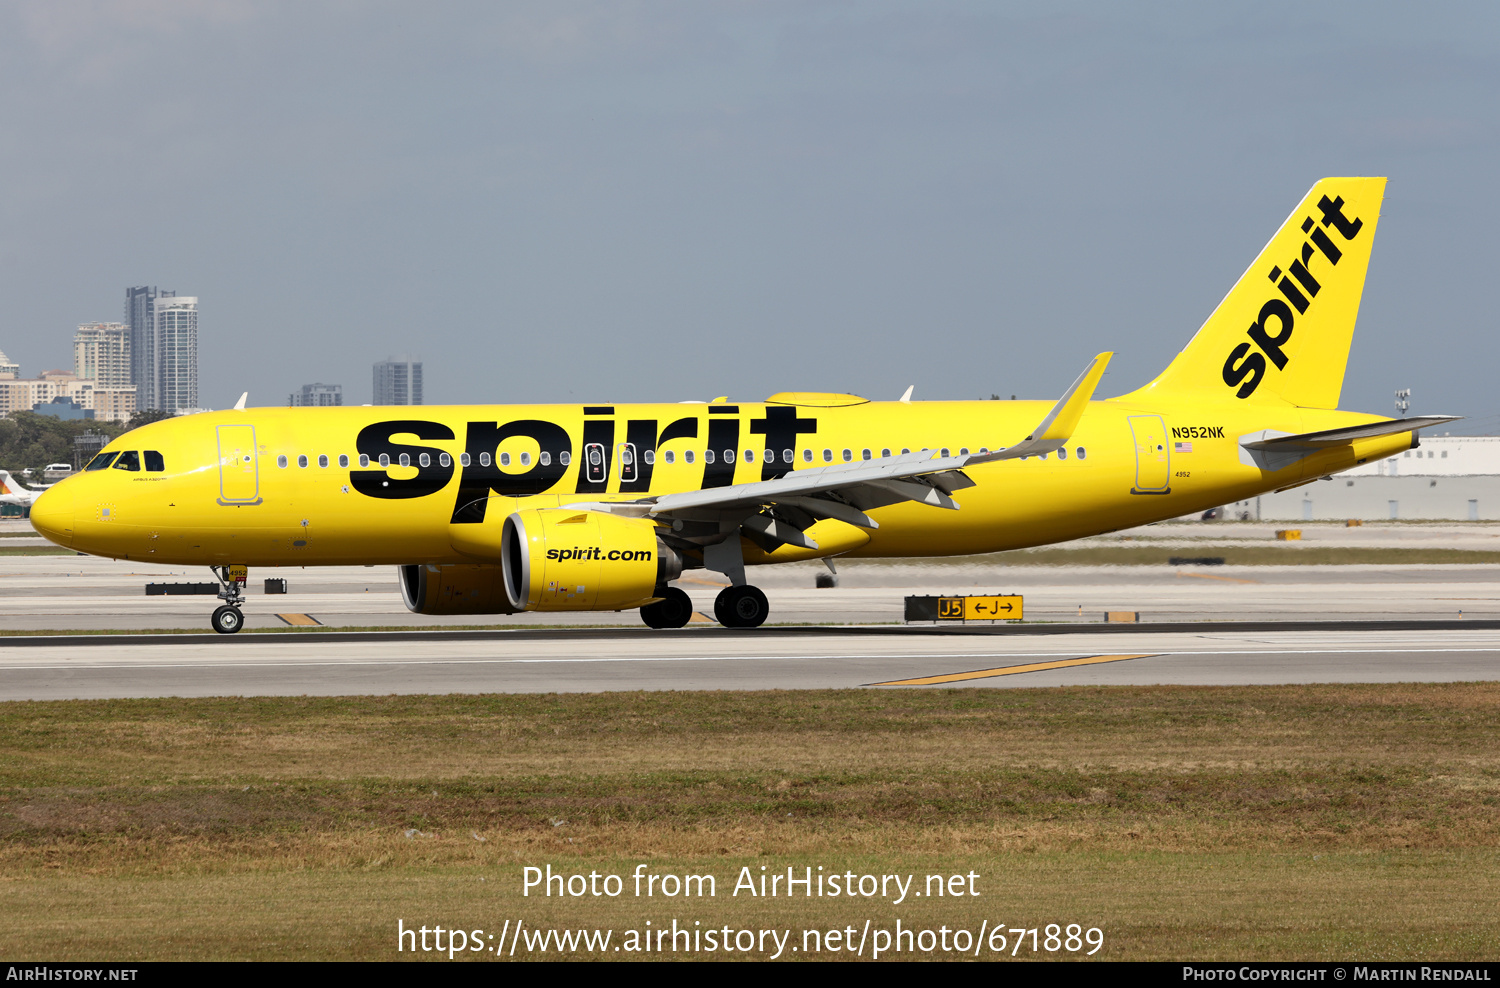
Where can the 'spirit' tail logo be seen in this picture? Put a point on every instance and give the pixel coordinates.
(1272, 329)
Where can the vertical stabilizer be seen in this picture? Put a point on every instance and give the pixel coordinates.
(1283, 331)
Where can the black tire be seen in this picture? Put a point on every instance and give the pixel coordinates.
(741, 607)
(674, 610)
(227, 620)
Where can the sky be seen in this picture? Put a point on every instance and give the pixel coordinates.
(633, 201)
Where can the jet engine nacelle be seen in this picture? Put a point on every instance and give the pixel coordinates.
(454, 589)
(556, 559)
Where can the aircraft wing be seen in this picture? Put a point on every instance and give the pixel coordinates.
(776, 512)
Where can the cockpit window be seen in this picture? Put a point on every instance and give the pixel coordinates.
(102, 461)
(154, 462)
(129, 460)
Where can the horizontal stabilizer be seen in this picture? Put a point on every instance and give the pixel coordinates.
(1340, 437)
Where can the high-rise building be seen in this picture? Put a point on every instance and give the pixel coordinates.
(175, 335)
(8, 370)
(140, 317)
(398, 381)
(317, 395)
(101, 353)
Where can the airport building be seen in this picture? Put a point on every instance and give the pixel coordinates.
(398, 381)
(1454, 478)
(317, 396)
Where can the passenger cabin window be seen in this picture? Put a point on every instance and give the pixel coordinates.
(484, 459)
(281, 461)
(463, 459)
(505, 459)
(687, 457)
(669, 456)
(323, 459)
(444, 460)
(1081, 452)
(155, 463)
(964, 451)
(786, 455)
(750, 456)
(405, 459)
(864, 454)
(364, 459)
(302, 460)
(884, 453)
(343, 459)
(544, 458)
(565, 457)
(525, 459)
(827, 456)
(708, 456)
(102, 461)
(729, 456)
(424, 460)
(385, 459)
(1062, 454)
(649, 456)
(129, 460)
(944, 452)
(807, 456)
(848, 455)
(904, 451)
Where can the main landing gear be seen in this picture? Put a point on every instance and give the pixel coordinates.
(735, 607)
(741, 607)
(674, 609)
(228, 619)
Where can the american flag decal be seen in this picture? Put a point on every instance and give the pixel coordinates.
(1182, 447)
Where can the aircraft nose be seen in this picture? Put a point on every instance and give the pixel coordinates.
(52, 514)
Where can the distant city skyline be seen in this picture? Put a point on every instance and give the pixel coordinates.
(676, 201)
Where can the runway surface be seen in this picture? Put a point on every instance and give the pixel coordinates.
(711, 659)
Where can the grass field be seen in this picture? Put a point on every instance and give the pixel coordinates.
(1292, 822)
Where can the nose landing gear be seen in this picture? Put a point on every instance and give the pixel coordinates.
(228, 618)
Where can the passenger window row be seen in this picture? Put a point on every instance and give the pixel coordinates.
(544, 458)
(129, 460)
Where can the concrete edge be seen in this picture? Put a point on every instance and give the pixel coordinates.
(530, 634)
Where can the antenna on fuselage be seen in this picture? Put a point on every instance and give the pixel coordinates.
(239, 406)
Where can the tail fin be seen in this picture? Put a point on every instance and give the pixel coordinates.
(1283, 331)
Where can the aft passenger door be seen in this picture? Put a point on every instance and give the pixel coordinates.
(1153, 465)
(239, 475)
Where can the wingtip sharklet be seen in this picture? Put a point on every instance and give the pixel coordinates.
(1057, 428)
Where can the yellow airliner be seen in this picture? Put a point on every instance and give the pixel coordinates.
(495, 509)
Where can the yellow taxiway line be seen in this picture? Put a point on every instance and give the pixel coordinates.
(958, 677)
(301, 620)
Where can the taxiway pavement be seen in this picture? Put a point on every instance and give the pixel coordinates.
(579, 660)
